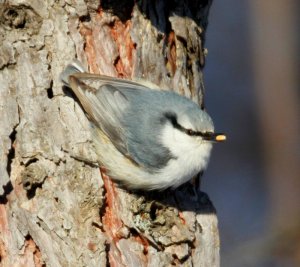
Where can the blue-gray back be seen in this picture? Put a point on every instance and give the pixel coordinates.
(143, 122)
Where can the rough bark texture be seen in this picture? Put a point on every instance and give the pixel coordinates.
(56, 209)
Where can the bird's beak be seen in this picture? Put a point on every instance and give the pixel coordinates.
(215, 137)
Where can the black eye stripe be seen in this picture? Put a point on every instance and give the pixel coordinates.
(195, 133)
(191, 132)
(173, 119)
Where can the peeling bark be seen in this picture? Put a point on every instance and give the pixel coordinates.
(57, 208)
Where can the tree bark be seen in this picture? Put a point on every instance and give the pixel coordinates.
(57, 208)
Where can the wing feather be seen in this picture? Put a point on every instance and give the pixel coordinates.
(104, 100)
(96, 80)
(105, 108)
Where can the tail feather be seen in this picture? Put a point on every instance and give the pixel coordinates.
(74, 67)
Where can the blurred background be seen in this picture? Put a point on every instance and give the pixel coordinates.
(252, 93)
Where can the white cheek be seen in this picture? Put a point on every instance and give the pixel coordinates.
(181, 144)
(178, 142)
(192, 155)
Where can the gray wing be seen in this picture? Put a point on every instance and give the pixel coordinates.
(96, 81)
(72, 68)
(101, 100)
(105, 99)
(75, 68)
(105, 107)
(145, 117)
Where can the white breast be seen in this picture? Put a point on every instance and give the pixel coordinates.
(191, 156)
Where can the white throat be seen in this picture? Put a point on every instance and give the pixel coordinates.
(191, 156)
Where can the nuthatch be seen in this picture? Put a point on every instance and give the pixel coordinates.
(145, 138)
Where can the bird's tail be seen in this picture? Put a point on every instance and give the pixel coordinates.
(74, 67)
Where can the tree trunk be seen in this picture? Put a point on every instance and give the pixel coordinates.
(57, 208)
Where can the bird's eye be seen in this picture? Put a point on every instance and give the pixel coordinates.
(190, 132)
(207, 134)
